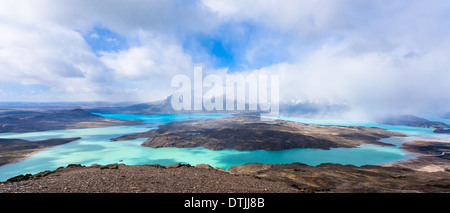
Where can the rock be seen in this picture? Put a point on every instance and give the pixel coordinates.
(43, 174)
(175, 165)
(249, 168)
(203, 166)
(19, 178)
(96, 165)
(157, 165)
(110, 166)
(74, 166)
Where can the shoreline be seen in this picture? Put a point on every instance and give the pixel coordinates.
(429, 156)
(17, 150)
(78, 127)
(26, 156)
(415, 156)
(422, 173)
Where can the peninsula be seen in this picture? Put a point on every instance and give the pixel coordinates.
(249, 132)
(13, 150)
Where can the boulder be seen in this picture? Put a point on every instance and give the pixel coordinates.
(19, 178)
(74, 166)
(203, 166)
(110, 166)
(175, 165)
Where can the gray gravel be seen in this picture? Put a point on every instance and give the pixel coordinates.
(144, 178)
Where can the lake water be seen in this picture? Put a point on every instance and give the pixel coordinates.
(96, 147)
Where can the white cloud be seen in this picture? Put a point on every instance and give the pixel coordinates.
(42, 44)
(94, 36)
(301, 16)
(375, 55)
(43, 54)
(372, 83)
(155, 58)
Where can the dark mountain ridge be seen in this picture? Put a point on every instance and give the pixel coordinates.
(73, 119)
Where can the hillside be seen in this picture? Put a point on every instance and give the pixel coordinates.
(71, 119)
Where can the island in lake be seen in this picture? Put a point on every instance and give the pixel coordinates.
(249, 132)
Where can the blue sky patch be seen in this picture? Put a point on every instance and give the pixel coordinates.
(103, 39)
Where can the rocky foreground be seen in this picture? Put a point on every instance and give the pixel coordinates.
(176, 178)
(248, 178)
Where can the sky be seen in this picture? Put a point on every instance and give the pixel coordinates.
(375, 56)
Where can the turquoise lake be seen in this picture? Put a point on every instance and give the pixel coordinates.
(96, 147)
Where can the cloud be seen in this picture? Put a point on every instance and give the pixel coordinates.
(155, 58)
(43, 54)
(372, 83)
(375, 56)
(44, 44)
(302, 17)
(124, 17)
